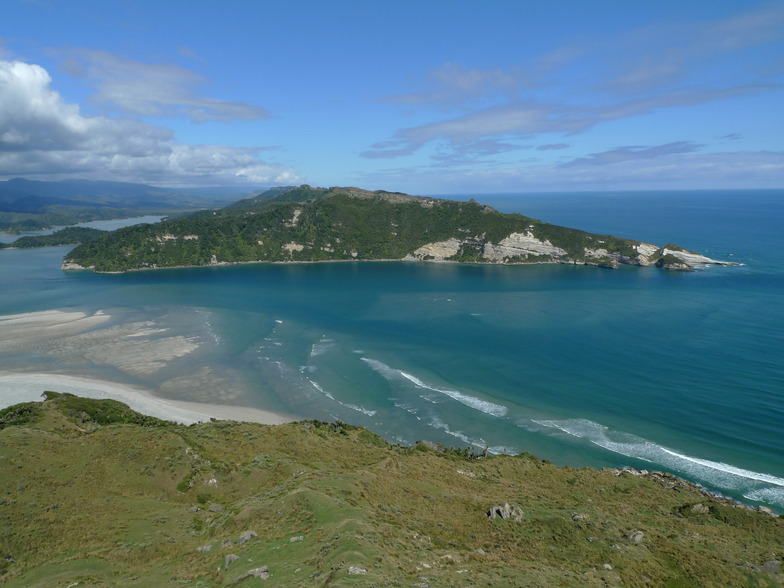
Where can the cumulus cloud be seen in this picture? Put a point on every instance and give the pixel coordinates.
(42, 135)
(155, 90)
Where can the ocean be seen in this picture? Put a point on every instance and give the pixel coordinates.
(638, 367)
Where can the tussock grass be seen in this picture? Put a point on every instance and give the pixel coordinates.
(91, 493)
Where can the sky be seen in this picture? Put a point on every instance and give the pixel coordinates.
(424, 97)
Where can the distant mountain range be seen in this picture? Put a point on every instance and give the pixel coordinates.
(35, 204)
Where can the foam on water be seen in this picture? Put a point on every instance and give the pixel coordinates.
(320, 347)
(437, 423)
(206, 320)
(753, 485)
(365, 411)
(729, 469)
(769, 495)
(409, 409)
(485, 406)
(320, 389)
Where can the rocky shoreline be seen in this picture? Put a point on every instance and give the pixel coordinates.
(677, 484)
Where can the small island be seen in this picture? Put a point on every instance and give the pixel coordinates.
(305, 224)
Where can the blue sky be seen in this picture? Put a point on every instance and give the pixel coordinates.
(425, 97)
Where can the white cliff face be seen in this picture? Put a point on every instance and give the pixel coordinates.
(690, 258)
(597, 253)
(646, 249)
(520, 245)
(437, 251)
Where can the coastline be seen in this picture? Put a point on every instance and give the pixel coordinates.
(19, 387)
(139, 349)
(71, 266)
(689, 258)
(29, 387)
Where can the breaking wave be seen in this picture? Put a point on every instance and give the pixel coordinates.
(753, 485)
(485, 406)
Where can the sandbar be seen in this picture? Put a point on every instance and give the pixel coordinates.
(48, 324)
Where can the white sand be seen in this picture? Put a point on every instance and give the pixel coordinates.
(15, 388)
(75, 337)
(48, 324)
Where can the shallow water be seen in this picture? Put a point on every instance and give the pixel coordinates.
(583, 366)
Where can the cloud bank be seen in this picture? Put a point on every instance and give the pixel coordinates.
(43, 136)
(155, 90)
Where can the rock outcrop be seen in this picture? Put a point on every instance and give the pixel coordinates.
(520, 246)
(504, 511)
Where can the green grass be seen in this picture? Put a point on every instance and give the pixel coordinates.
(105, 504)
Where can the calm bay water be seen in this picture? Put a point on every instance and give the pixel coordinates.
(579, 365)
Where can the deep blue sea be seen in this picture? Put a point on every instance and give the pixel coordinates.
(640, 367)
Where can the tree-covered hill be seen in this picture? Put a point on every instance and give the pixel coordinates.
(319, 224)
(65, 236)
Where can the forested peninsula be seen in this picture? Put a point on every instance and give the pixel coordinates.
(65, 236)
(306, 224)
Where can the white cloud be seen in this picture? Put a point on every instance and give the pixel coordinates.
(524, 120)
(638, 73)
(453, 85)
(667, 167)
(155, 90)
(633, 153)
(41, 135)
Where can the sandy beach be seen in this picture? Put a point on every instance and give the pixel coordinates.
(16, 388)
(143, 350)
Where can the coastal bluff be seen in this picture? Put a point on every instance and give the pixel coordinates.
(94, 492)
(306, 224)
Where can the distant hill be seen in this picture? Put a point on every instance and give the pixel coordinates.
(333, 224)
(95, 494)
(65, 236)
(34, 204)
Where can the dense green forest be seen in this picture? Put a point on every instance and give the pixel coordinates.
(66, 236)
(319, 224)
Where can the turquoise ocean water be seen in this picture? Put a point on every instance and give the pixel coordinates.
(682, 372)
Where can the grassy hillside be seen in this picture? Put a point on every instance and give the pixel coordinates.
(319, 224)
(92, 493)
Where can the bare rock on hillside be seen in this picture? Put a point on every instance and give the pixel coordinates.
(505, 511)
(246, 536)
(262, 572)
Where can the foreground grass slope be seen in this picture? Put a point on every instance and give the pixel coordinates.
(95, 494)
